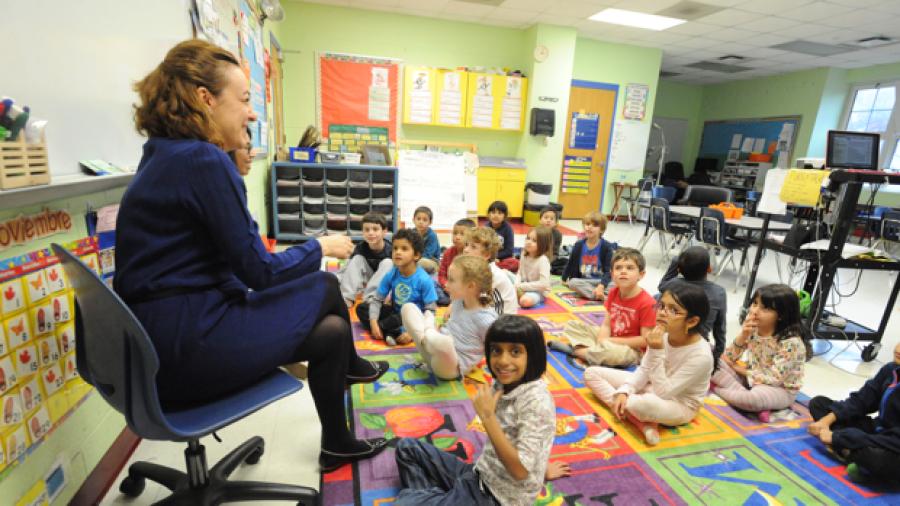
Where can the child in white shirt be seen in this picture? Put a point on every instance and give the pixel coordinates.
(533, 277)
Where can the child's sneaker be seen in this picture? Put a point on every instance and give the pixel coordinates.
(651, 435)
(765, 416)
(856, 473)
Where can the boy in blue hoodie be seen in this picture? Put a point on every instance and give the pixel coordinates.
(590, 262)
(869, 446)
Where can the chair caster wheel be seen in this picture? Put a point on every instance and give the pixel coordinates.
(132, 486)
(870, 352)
(254, 457)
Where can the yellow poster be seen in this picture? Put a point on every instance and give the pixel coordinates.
(803, 186)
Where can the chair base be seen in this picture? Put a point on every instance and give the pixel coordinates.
(202, 487)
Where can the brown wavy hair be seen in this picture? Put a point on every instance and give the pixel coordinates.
(169, 105)
(476, 270)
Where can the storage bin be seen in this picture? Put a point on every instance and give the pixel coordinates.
(363, 201)
(313, 227)
(382, 193)
(350, 158)
(337, 226)
(386, 211)
(336, 177)
(314, 193)
(289, 191)
(291, 226)
(538, 194)
(313, 208)
(329, 157)
(383, 202)
(355, 227)
(287, 173)
(336, 191)
(307, 199)
(359, 209)
(312, 174)
(359, 176)
(380, 178)
(731, 211)
(288, 207)
(359, 193)
(23, 164)
(336, 208)
(314, 216)
(302, 155)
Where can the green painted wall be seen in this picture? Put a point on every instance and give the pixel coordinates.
(828, 116)
(619, 64)
(682, 101)
(84, 437)
(309, 28)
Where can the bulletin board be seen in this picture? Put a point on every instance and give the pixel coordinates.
(253, 57)
(357, 90)
(39, 382)
(719, 136)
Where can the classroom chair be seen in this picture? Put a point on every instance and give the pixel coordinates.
(889, 231)
(115, 355)
(645, 190)
(664, 192)
(702, 196)
(712, 230)
(661, 225)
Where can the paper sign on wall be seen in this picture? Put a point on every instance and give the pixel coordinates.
(803, 186)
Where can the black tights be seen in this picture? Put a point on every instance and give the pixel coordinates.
(331, 355)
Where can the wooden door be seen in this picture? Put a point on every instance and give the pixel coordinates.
(589, 100)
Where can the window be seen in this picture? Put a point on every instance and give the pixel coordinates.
(871, 109)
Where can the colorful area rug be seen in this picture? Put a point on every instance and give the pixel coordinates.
(723, 457)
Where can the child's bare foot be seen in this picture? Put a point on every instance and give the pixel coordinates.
(557, 469)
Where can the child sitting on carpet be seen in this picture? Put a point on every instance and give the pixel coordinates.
(776, 351)
(497, 213)
(431, 251)
(483, 242)
(370, 261)
(460, 229)
(871, 447)
(519, 417)
(533, 278)
(406, 282)
(590, 261)
(459, 344)
(672, 380)
(550, 219)
(630, 317)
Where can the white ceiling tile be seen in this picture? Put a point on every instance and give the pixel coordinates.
(553, 18)
(771, 7)
(723, 3)
(854, 64)
(767, 39)
(858, 20)
(663, 37)
(466, 9)
(757, 63)
(731, 17)
(836, 36)
(815, 11)
(698, 42)
(677, 52)
(805, 30)
(791, 57)
(454, 16)
(511, 15)
(762, 52)
(732, 47)
(527, 5)
(891, 6)
(693, 28)
(575, 8)
(773, 24)
(858, 3)
(424, 5)
(731, 34)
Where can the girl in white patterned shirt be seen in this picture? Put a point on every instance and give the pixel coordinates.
(533, 278)
(519, 418)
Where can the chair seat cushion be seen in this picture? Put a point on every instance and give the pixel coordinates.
(200, 420)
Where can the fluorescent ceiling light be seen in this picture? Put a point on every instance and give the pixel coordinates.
(635, 19)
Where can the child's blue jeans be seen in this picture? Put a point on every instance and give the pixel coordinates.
(432, 477)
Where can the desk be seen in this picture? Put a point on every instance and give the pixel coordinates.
(746, 223)
(618, 191)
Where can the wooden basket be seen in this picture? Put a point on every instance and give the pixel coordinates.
(23, 164)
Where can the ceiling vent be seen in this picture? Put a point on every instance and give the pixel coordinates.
(730, 58)
(689, 10)
(876, 41)
(718, 67)
(669, 73)
(812, 48)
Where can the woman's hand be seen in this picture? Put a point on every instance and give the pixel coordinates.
(485, 401)
(338, 246)
(618, 406)
(655, 337)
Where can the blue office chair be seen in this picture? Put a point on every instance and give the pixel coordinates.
(114, 354)
(712, 230)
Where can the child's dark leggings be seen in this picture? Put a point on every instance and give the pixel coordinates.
(389, 321)
(879, 462)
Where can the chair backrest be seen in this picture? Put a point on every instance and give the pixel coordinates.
(113, 352)
(705, 195)
(890, 226)
(664, 192)
(659, 214)
(711, 228)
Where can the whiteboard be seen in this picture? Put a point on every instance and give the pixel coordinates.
(629, 145)
(433, 179)
(74, 64)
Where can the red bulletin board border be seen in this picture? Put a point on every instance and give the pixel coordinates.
(343, 91)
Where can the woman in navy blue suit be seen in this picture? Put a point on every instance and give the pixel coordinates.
(221, 311)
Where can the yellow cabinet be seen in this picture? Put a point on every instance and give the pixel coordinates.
(501, 183)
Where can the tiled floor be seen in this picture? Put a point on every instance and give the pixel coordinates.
(291, 428)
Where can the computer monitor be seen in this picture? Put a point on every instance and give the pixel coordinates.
(852, 150)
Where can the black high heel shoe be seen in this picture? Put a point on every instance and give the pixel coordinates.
(329, 460)
(380, 367)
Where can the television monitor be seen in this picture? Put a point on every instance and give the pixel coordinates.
(852, 150)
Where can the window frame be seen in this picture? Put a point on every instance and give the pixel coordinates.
(891, 134)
